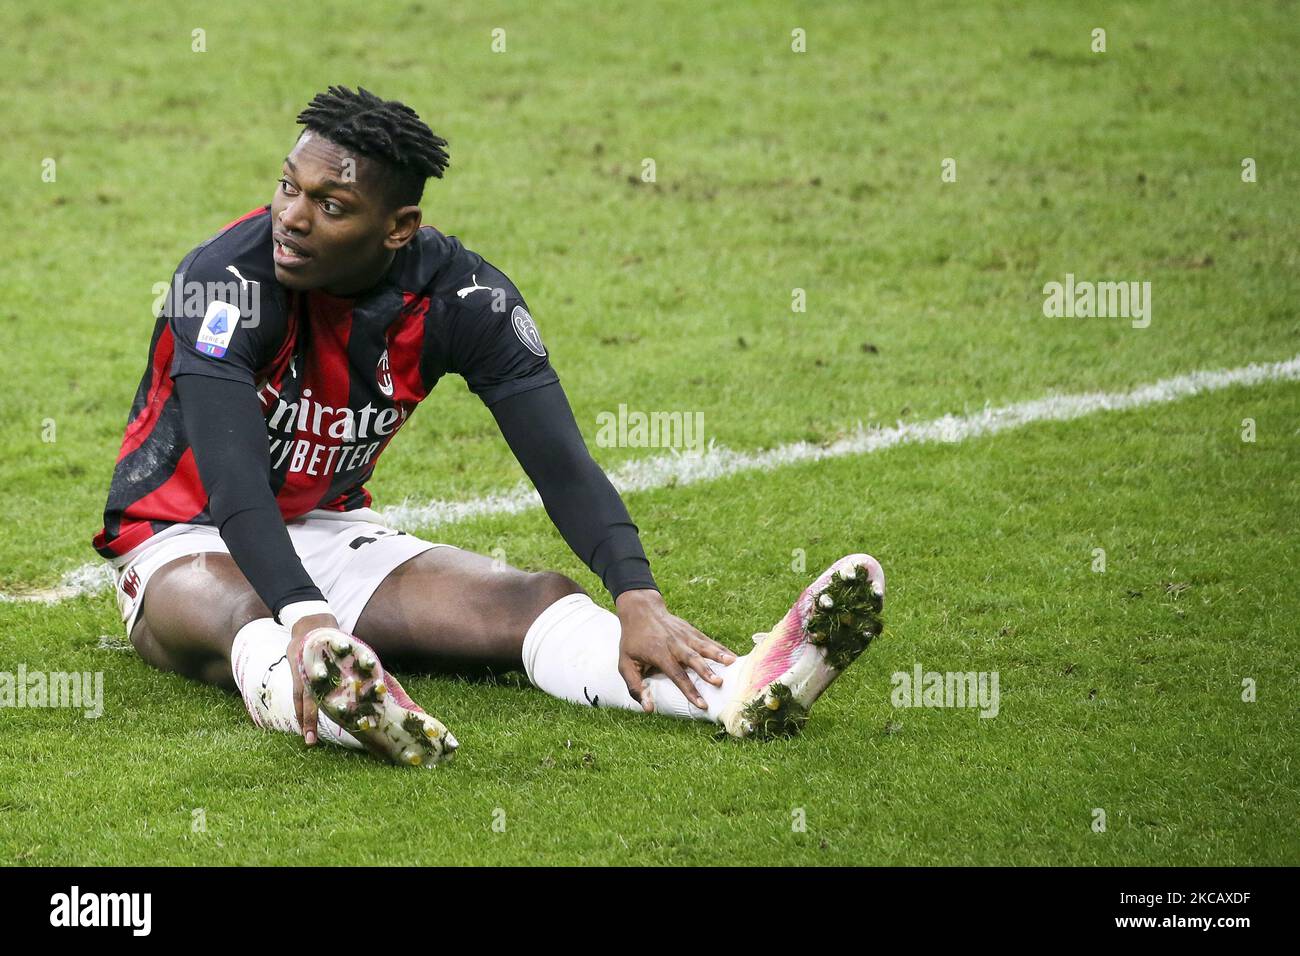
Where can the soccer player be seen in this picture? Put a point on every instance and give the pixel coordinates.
(290, 349)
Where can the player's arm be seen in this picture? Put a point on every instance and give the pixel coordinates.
(218, 347)
(539, 427)
(493, 342)
(224, 424)
(227, 433)
(587, 510)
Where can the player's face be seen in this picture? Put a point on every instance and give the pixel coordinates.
(332, 227)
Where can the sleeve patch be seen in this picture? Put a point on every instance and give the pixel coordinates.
(218, 328)
(526, 329)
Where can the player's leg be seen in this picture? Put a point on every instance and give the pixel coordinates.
(198, 616)
(454, 610)
(571, 651)
(440, 608)
(192, 608)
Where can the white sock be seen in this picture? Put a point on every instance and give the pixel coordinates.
(571, 652)
(265, 680)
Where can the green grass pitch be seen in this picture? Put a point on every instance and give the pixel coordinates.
(775, 170)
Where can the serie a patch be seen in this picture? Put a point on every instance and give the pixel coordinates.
(219, 324)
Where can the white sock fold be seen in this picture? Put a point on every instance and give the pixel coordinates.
(571, 652)
(265, 680)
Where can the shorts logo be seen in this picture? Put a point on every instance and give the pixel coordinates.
(384, 375)
(128, 593)
(131, 583)
(219, 324)
(526, 329)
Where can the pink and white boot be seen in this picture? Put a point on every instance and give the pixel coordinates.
(350, 685)
(831, 623)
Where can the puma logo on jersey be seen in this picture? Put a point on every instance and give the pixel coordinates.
(245, 283)
(473, 288)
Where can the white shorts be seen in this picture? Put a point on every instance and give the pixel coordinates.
(347, 554)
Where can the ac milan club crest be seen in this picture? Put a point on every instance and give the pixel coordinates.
(131, 584)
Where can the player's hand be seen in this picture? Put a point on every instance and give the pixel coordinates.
(304, 704)
(656, 640)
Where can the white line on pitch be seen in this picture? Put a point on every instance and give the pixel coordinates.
(719, 462)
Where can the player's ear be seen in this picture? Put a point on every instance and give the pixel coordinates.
(404, 224)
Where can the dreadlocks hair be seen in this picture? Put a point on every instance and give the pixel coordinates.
(386, 131)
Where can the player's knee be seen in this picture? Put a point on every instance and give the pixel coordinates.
(202, 600)
(245, 608)
(223, 586)
(216, 672)
(549, 586)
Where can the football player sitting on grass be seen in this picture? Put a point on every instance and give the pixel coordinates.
(292, 347)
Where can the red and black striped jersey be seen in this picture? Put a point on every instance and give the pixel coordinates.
(336, 377)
